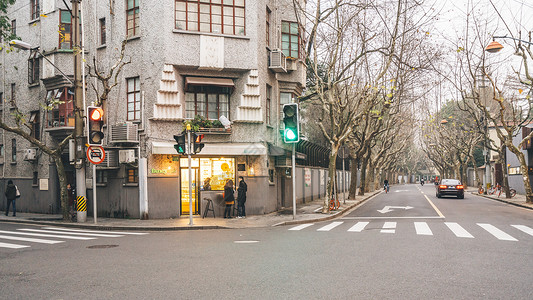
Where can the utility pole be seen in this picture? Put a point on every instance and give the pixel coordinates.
(78, 108)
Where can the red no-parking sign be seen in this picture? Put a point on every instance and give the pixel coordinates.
(95, 154)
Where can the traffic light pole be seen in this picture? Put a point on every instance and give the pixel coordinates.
(189, 146)
(293, 181)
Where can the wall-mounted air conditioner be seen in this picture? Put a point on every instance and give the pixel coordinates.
(278, 62)
(30, 154)
(124, 133)
(110, 160)
(126, 156)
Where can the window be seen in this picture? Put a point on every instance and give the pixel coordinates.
(34, 9)
(268, 104)
(271, 176)
(132, 175)
(14, 27)
(132, 18)
(268, 13)
(101, 177)
(1, 100)
(134, 98)
(102, 32)
(216, 16)
(62, 113)
(290, 39)
(33, 68)
(514, 171)
(13, 88)
(65, 30)
(14, 150)
(35, 122)
(210, 102)
(1, 150)
(35, 180)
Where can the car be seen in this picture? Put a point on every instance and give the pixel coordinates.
(451, 187)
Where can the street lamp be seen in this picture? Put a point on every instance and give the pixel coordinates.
(494, 46)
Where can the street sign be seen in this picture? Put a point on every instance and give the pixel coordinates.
(95, 154)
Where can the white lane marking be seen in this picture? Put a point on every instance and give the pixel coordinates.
(458, 230)
(329, 226)
(246, 242)
(16, 238)
(422, 228)
(300, 227)
(499, 234)
(49, 235)
(524, 229)
(434, 207)
(71, 233)
(371, 218)
(360, 226)
(389, 227)
(12, 246)
(95, 231)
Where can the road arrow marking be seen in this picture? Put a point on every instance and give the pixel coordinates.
(387, 209)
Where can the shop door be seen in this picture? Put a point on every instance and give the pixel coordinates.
(185, 191)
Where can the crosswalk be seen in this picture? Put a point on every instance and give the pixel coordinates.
(423, 228)
(26, 237)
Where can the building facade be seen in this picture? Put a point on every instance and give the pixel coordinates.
(189, 60)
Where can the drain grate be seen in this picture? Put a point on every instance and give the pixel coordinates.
(102, 246)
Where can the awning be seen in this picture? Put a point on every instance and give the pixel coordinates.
(219, 149)
(275, 150)
(223, 82)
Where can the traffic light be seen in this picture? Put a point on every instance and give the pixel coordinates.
(291, 134)
(197, 142)
(95, 134)
(181, 143)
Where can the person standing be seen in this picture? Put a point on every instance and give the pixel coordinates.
(11, 195)
(229, 198)
(241, 198)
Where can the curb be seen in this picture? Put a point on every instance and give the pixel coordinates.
(503, 200)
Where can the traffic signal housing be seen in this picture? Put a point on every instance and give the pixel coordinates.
(291, 133)
(197, 142)
(181, 143)
(95, 134)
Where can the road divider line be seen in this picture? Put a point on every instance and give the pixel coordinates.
(524, 229)
(300, 227)
(329, 226)
(458, 230)
(499, 234)
(434, 207)
(422, 228)
(358, 227)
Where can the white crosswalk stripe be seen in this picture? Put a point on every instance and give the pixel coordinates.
(524, 229)
(330, 226)
(360, 226)
(499, 234)
(58, 234)
(389, 227)
(422, 228)
(303, 226)
(458, 230)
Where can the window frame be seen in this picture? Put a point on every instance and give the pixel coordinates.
(131, 175)
(268, 105)
(14, 27)
(135, 13)
(268, 15)
(63, 40)
(206, 91)
(13, 94)
(61, 112)
(189, 16)
(136, 99)
(34, 68)
(35, 121)
(103, 37)
(13, 150)
(35, 9)
(288, 52)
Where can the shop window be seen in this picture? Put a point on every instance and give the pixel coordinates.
(134, 99)
(132, 18)
(214, 172)
(210, 102)
(61, 108)
(132, 175)
(227, 17)
(65, 29)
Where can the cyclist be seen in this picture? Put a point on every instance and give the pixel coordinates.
(422, 181)
(386, 185)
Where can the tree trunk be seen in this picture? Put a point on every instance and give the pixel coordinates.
(371, 176)
(331, 178)
(353, 182)
(524, 169)
(362, 186)
(62, 175)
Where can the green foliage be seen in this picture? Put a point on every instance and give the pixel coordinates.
(201, 122)
(5, 24)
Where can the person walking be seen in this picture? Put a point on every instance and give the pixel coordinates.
(241, 198)
(229, 198)
(11, 195)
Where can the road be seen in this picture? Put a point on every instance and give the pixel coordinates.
(446, 248)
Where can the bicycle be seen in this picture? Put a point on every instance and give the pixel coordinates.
(512, 192)
(386, 188)
(481, 190)
(334, 203)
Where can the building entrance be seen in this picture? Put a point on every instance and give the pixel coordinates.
(185, 191)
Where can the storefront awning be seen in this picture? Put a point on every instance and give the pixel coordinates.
(218, 149)
(223, 82)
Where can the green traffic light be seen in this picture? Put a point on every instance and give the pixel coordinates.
(290, 135)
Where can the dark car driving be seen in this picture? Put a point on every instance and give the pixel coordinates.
(450, 187)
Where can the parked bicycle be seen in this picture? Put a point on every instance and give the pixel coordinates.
(334, 203)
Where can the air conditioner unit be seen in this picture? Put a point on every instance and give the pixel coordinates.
(30, 154)
(110, 160)
(124, 133)
(278, 62)
(126, 156)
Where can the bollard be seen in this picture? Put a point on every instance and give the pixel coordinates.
(82, 209)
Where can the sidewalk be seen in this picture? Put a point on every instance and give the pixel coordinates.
(518, 200)
(308, 212)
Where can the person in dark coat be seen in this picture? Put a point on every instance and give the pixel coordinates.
(11, 195)
(229, 198)
(241, 198)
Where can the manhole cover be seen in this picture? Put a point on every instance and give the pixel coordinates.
(102, 246)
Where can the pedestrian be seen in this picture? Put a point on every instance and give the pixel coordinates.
(241, 198)
(229, 198)
(12, 193)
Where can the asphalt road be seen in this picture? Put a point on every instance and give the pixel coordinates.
(416, 253)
